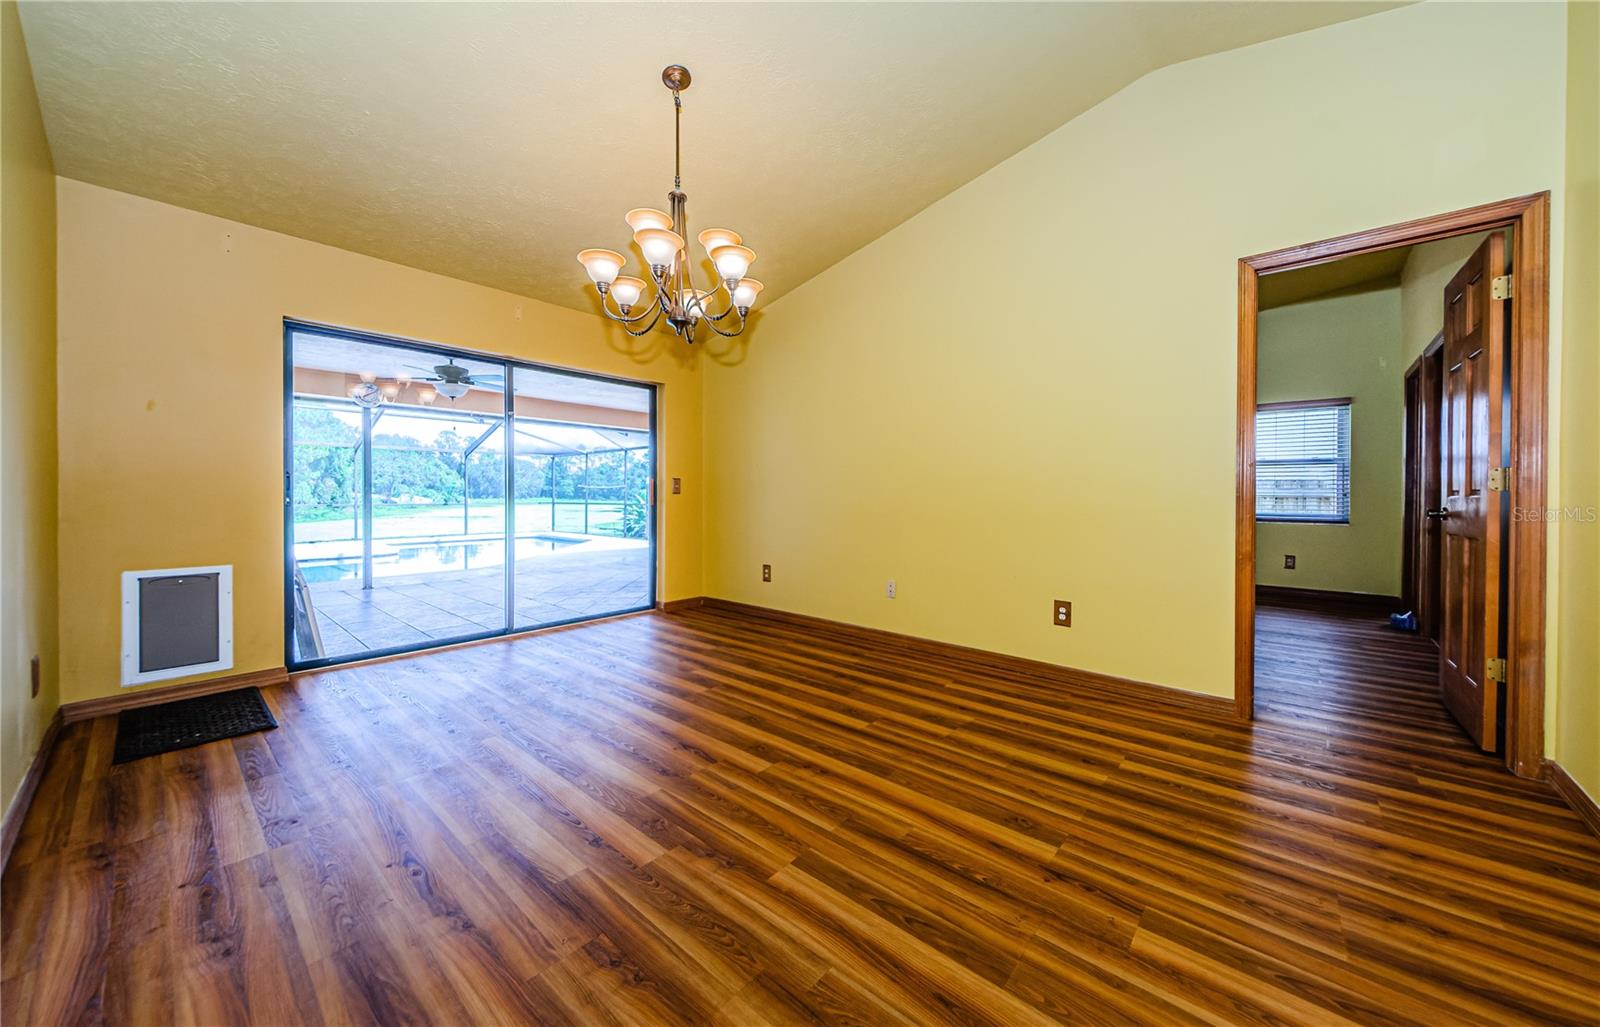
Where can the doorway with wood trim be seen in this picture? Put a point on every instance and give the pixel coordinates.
(1475, 400)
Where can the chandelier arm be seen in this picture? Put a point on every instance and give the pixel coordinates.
(666, 288)
(705, 311)
(646, 329)
(712, 324)
(619, 316)
(719, 317)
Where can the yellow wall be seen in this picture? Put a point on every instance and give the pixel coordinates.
(1027, 390)
(171, 360)
(27, 414)
(1574, 718)
(1341, 345)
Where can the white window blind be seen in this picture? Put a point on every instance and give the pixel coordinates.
(1303, 462)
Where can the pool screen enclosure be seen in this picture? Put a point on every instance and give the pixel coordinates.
(435, 495)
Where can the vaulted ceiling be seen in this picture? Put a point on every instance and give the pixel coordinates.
(491, 142)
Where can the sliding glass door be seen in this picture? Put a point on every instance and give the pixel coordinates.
(427, 504)
(584, 463)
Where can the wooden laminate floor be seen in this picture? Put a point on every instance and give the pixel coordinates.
(712, 818)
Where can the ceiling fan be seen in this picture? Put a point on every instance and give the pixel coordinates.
(453, 380)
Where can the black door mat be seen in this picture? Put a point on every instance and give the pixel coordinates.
(184, 723)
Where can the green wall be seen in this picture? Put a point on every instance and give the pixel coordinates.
(1428, 270)
(1328, 347)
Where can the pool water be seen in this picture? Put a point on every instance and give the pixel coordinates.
(430, 558)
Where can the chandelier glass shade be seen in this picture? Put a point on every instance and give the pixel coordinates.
(668, 289)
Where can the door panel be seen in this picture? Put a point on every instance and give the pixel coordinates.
(1421, 559)
(1474, 358)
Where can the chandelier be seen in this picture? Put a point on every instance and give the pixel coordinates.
(660, 236)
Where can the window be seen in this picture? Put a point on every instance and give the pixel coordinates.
(1303, 461)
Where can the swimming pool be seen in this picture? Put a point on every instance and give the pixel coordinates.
(391, 559)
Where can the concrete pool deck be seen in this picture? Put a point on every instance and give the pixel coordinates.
(587, 580)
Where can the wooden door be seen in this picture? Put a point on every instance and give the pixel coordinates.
(1470, 448)
(1420, 551)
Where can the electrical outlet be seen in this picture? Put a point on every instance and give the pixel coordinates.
(888, 590)
(1062, 617)
(33, 670)
(766, 572)
(1288, 561)
(677, 486)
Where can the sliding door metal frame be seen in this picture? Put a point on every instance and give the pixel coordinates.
(510, 367)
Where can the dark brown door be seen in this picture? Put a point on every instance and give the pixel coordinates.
(1470, 447)
(1423, 391)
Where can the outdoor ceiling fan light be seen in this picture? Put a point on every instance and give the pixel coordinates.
(602, 265)
(366, 394)
(452, 390)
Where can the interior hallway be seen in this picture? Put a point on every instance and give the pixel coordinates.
(714, 817)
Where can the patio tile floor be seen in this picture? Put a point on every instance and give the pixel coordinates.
(582, 581)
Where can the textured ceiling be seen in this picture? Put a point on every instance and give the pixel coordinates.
(490, 142)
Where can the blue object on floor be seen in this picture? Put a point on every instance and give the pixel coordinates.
(1403, 621)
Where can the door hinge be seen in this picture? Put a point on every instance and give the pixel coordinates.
(1499, 479)
(1496, 670)
(1500, 287)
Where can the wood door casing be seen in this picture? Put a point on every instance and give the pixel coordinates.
(1527, 538)
(1470, 445)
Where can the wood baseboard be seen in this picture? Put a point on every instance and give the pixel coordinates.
(133, 698)
(20, 803)
(1209, 707)
(1323, 597)
(673, 605)
(1582, 802)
